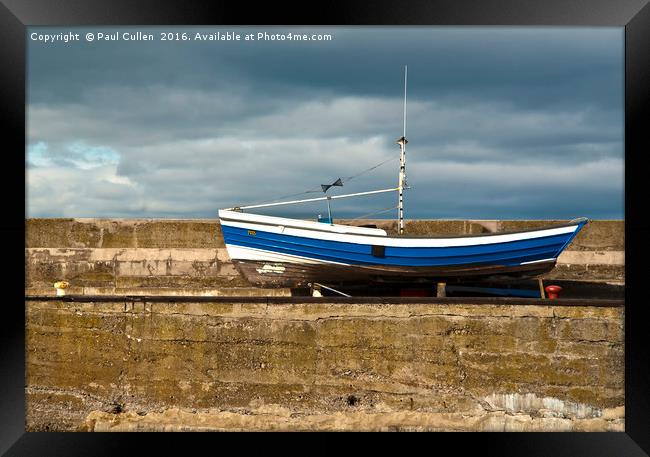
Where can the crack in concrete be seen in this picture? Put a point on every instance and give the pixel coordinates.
(380, 317)
(62, 391)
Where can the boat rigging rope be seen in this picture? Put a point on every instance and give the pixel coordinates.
(319, 189)
(349, 178)
(376, 212)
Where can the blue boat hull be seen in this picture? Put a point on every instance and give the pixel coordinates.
(508, 253)
(269, 254)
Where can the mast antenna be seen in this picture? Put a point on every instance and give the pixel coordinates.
(405, 75)
(402, 164)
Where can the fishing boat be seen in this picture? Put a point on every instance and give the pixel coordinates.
(283, 252)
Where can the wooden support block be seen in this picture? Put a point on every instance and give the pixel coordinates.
(541, 288)
(441, 291)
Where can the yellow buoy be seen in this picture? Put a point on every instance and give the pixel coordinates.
(60, 287)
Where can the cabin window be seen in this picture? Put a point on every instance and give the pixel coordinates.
(379, 251)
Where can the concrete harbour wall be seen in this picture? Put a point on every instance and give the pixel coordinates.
(280, 363)
(274, 365)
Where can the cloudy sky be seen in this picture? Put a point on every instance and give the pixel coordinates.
(502, 122)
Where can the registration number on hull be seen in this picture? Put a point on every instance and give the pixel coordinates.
(266, 269)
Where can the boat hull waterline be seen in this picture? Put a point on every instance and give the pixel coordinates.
(280, 252)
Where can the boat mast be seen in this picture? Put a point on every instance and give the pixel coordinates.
(402, 163)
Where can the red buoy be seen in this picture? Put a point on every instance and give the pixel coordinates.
(553, 291)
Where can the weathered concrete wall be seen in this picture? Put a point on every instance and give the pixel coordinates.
(323, 366)
(132, 256)
(602, 235)
(123, 233)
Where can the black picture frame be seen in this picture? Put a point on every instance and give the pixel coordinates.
(634, 15)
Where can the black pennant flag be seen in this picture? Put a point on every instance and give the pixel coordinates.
(326, 187)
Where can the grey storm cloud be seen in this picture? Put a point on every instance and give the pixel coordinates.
(502, 122)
